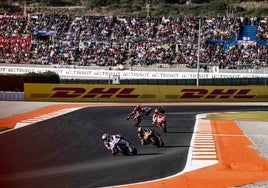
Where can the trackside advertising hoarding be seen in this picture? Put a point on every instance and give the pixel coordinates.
(124, 74)
(143, 93)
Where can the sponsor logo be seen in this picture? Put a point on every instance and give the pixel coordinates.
(70, 92)
(117, 92)
(216, 93)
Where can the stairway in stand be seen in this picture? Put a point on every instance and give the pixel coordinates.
(248, 32)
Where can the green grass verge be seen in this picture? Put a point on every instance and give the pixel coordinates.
(240, 116)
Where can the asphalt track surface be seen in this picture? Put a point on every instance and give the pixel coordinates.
(67, 151)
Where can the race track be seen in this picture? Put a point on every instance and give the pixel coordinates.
(67, 151)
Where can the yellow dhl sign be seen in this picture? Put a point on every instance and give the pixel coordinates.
(142, 93)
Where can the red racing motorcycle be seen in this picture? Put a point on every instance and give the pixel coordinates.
(161, 122)
(136, 116)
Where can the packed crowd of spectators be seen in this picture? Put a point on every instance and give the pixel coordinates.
(112, 41)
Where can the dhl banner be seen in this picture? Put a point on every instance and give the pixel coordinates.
(143, 93)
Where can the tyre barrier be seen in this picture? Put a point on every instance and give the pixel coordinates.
(11, 96)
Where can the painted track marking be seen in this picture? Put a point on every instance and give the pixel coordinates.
(45, 117)
(202, 152)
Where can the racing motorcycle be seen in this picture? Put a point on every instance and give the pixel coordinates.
(146, 111)
(152, 137)
(136, 117)
(161, 122)
(124, 149)
(161, 109)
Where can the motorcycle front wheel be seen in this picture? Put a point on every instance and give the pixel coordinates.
(136, 122)
(164, 128)
(135, 151)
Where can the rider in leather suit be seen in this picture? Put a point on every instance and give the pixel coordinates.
(142, 132)
(156, 114)
(137, 108)
(110, 142)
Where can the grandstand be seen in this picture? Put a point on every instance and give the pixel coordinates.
(134, 43)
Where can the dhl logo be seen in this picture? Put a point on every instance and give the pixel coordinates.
(65, 92)
(72, 92)
(220, 93)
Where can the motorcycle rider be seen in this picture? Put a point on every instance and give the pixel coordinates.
(142, 134)
(110, 142)
(161, 109)
(137, 109)
(156, 114)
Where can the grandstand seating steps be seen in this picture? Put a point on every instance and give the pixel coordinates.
(248, 32)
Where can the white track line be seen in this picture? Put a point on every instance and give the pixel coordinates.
(45, 117)
(202, 152)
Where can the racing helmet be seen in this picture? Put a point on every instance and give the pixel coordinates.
(104, 136)
(139, 129)
(156, 110)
